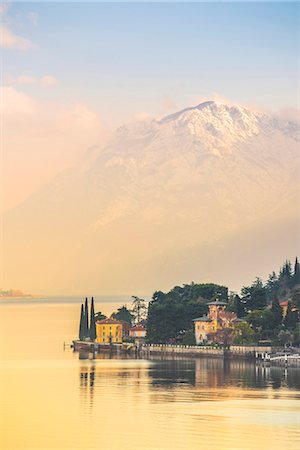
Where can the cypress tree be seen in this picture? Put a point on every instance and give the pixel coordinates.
(291, 317)
(86, 315)
(92, 322)
(82, 324)
(296, 275)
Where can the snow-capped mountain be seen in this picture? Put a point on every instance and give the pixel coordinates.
(163, 196)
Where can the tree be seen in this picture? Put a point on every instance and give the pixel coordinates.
(285, 276)
(139, 308)
(99, 316)
(243, 333)
(171, 314)
(82, 324)
(291, 317)
(189, 338)
(86, 315)
(123, 314)
(296, 297)
(272, 286)
(93, 322)
(277, 313)
(296, 275)
(262, 323)
(254, 296)
(239, 307)
(285, 337)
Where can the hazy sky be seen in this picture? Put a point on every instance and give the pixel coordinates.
(72, 72)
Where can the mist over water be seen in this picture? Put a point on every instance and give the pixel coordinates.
(54, 398)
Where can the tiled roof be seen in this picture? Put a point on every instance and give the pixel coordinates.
(217, 303)
(109, 322)
(284, 303)
(138, 328)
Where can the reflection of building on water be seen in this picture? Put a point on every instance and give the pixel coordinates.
(242, 373)
(199, 373)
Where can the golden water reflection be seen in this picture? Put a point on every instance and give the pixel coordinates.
(53, 398)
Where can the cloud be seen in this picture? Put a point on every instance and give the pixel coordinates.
(8, 38)
(24, 79)
(51, 136)
(214, 96)
(12, 41)
(48, 80)
(15, 102)
(289, 114)
(44, 81)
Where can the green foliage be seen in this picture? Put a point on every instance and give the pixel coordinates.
(93, 322)
(296, 275)
(99, 316)
(171, 313)
(243, 333)
(291, 317)
(262, 323)
(239, 307)
(189, 338)
(123, 314)
(82, 325)
(285, 278)
(296, 335)
(285, 337)
(272, 286)
(295, 298)
(276, 311)
(86, 317)
(254, 296)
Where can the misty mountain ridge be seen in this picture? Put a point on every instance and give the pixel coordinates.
(161, 193)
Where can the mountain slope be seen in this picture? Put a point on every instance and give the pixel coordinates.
(137, 214)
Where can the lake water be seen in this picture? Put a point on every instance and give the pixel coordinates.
(53, 398)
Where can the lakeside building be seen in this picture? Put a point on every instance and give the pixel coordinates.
(109, 331)
(216, 320)
(138, 331)
(284, 306)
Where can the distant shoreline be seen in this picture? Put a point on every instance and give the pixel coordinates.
(17, 297)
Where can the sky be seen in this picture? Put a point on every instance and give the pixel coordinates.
(72, 72)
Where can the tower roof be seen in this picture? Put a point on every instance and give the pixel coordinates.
(202, 319)
(217, 303)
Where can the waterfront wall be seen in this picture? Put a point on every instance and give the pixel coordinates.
(247, 350)
(160, 349)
